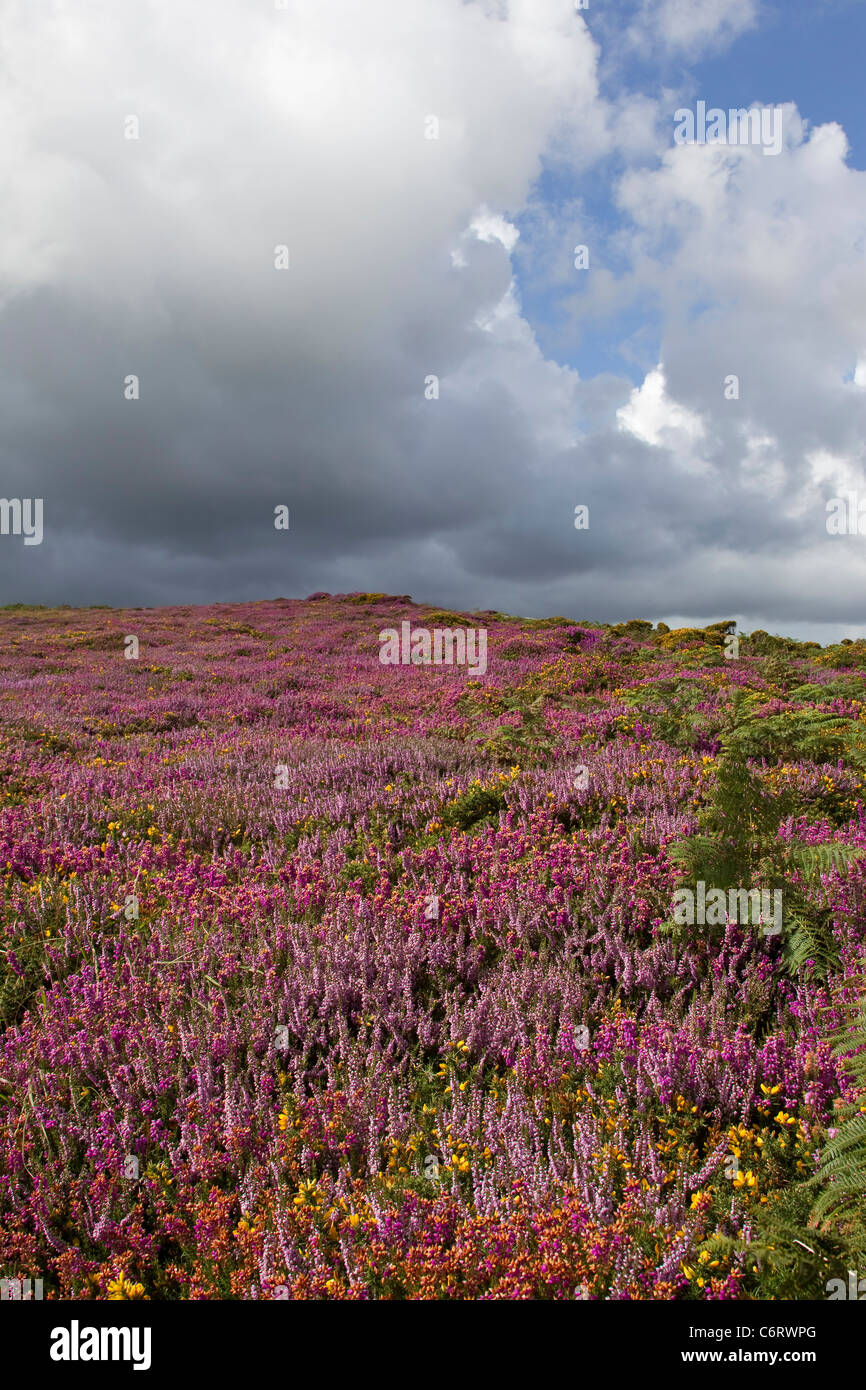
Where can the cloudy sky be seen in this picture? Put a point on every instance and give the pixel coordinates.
(430, 167)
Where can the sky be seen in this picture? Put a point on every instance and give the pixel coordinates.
(267, 254)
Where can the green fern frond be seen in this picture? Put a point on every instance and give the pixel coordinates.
(809, 938)
(813, 860)
(841, 1177)
(819, 735)
(793, 1261)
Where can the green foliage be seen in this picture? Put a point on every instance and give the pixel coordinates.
(809, 944)
(669, 708)
(818, 735)
(739, 847)
(786, 1259)
(355, 870)
(22, 974)
(845, 688)
(809, 694)
(26, 941)
(519, 648)
(817, 1230)
(526, 742)
(847, 655)
(442, 617)
(476, 804)
(542, 623)
(841, 1201)
(761, 643)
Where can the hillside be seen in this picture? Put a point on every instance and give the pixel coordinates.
(328, 978)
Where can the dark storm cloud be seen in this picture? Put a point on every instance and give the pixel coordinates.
(306, 386)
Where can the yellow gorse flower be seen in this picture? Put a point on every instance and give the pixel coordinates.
(122, 1288)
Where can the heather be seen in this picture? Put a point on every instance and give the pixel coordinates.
(326, 979)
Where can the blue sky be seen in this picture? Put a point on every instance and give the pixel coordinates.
(811, 54)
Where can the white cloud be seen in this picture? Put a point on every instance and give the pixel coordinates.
(833, 474)
(652, 417)
(491, 226)
(692, 26)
